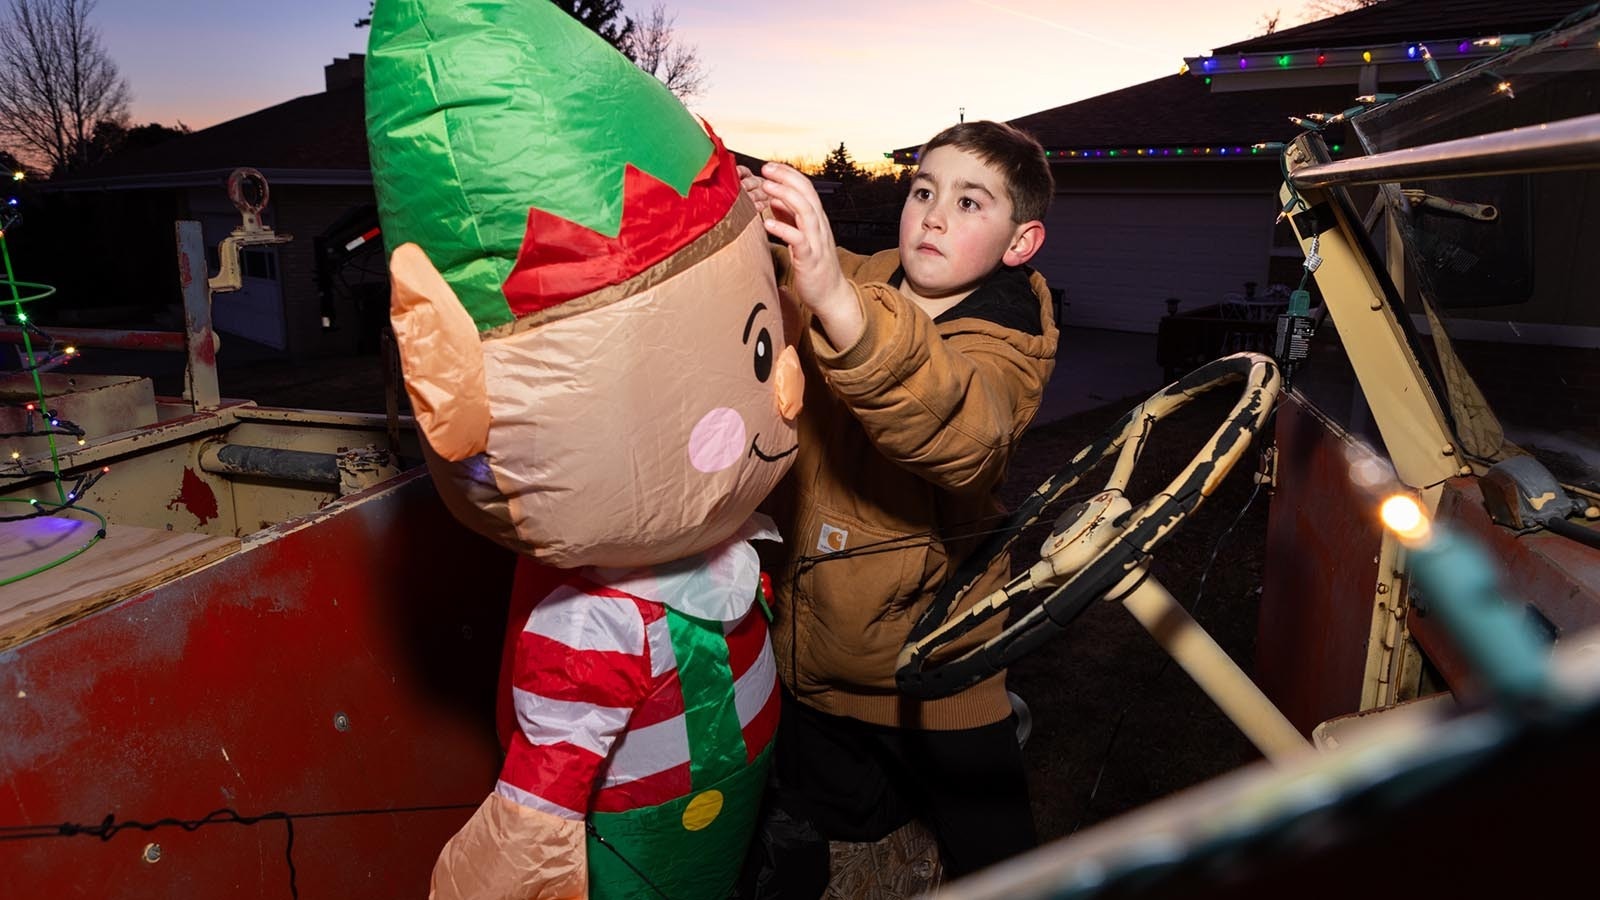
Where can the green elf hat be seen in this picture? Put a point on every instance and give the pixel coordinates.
(530, 160)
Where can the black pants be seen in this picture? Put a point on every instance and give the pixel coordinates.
(842, 779)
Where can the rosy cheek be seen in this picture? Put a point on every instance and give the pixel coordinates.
(717, 441)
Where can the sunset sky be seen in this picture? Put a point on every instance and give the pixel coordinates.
(787, 81)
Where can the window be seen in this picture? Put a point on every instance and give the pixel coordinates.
(259, 263)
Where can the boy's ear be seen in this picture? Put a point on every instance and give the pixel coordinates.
(1025, 243)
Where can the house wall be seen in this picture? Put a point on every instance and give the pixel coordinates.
(110, 255)
(307, 211)
(283, 313)
(1123, 237)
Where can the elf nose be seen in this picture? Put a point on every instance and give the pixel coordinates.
(788, 384)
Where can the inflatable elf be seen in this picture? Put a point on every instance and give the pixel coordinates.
(597, 359)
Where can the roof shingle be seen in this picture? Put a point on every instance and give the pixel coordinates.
(325, 131)
(1396, 21)
(1180, 110)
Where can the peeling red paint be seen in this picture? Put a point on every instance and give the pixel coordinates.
(196, 496)
(184, 277)
(206, 348)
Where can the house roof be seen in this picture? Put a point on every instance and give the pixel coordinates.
(1172, 113)
(1181, 110)
(317, 138)
(1395, 21)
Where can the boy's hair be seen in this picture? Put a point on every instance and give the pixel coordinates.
(1015, 153)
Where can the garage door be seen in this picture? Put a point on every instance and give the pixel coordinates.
(1119, 257)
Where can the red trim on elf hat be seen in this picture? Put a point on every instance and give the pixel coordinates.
(560, 259)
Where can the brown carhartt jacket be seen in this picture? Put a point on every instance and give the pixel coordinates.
(903, 440)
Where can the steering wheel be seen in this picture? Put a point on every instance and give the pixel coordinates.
(1098, 547)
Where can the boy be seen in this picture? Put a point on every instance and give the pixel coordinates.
(924, 366)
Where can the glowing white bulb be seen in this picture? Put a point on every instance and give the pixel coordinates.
(1403, 515)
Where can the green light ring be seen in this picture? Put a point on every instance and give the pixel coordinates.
(98, 535)
(16, 302)
(44, 290)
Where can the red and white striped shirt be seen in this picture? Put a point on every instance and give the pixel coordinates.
(594, 691)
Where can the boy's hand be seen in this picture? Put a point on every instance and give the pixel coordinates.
(751, 183)
(798, 220)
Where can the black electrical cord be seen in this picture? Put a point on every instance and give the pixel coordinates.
(1573, 531)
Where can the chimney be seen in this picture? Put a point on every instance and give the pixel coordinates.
(345, 72)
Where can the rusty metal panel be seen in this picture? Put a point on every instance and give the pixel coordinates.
(331, 431)
(158, 479)
(1558, 577)
(339, 670)
(157, 485)
(312, 434)
(1320, 573)
(99, 404)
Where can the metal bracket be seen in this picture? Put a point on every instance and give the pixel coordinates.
(247, 188)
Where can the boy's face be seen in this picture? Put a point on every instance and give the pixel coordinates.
(956, 225)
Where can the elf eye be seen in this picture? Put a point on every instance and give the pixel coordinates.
(763, 355)
(763, 344)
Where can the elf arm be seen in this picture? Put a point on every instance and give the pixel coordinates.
(581, 666)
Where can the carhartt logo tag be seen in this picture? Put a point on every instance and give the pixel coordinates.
(832, 539)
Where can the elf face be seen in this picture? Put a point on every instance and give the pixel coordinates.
(641, 431)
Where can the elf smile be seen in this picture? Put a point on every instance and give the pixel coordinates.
(755, 449)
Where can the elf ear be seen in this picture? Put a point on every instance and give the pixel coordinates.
(441, 355)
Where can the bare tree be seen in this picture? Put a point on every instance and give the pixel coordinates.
(56, 82)
(656, 50)
(1269, 21)
(1322, 9)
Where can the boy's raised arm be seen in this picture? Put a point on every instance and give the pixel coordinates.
(798, 220)
(948, 409)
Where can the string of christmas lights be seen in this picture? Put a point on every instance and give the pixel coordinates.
(1187, 150)
(1318, 58)
(38, 419)
(1125, 152)
(1206, 66)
